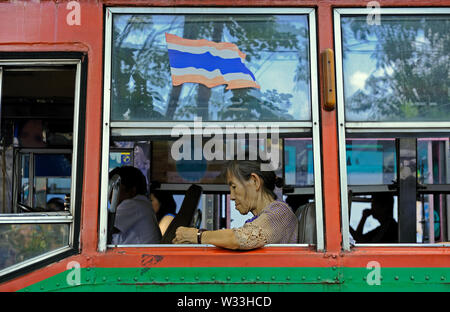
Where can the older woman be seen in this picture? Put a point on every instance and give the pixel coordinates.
(252, 190)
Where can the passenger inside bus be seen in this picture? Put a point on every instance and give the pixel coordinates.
(55, 204)
(164, 206)
(135, 220)
(31, 134)
(382, 210)
(252, 189)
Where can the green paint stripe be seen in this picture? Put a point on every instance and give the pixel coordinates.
(396, 279)
(246, 279)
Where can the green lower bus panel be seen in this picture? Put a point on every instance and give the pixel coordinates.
(261, 279)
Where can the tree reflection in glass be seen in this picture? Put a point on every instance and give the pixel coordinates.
(277, 52)
(398, 70)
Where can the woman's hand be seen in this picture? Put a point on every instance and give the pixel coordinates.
(224, 238)
(185, 235)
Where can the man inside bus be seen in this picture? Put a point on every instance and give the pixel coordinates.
(382, 210)
(135, 220)
(31, 134)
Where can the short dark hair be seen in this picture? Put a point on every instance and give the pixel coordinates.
(386, 198)
(385, 201)
(131, 177)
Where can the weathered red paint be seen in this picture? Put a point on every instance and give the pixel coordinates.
(41, 26)
(30, 26)
(330, 176)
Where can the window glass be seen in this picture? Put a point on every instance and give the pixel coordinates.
(398, 70)
(433, 161)
(39, 112)
(158, 59)
(371, 161)
(370, 225)
(20, 242)
(169, 170)
(25, 176)
(171, 165)
(51, 177)
(119, 158)
(432, 216)
(155, 160)
(37, 130)
(298, 162)
(409, 176)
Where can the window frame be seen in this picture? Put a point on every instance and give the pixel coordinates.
(388, 128)
(157, 128)
(32, 152)
(71, 217)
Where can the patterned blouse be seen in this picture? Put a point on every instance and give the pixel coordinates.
(276, 224)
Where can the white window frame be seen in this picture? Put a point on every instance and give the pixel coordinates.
(371, 127)
(55, 217)
(164, 128)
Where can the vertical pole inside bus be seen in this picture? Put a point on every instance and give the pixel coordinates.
(407, 187)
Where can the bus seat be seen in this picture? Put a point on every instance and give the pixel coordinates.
(306, 215)
(185, 215)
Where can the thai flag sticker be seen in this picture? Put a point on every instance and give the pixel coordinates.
(209, 63)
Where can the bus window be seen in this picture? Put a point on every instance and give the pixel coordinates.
(37, 128)
(215, 209)
(393, 116)
(38, 117)
(223, 94)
